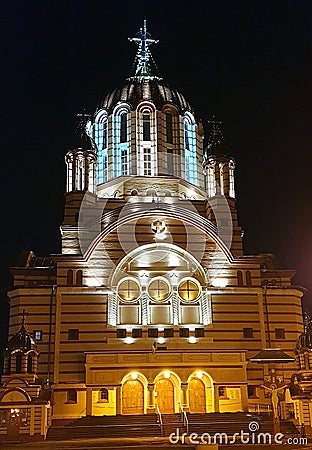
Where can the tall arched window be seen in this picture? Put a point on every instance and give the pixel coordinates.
(101, 140)
(248, 278)
(146, 126)
(211, 180)
(121, 157)
(18, 362)
(240, 278)
(79, 278)
(169, 134)
(123, 127)
(70, 277)
(190, 149)
(231, 179)
(146, 140)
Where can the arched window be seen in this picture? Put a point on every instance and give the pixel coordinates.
(79, 278)
(29, 364)
(240, 278)
(221, 171)
(121, 152)
(190, 149)
(101, 140)
(231, 179)
(71, 396)
(248, 278)
(146, 126)
(146, 140)
(123, 127)
(169, 134)
(18, 359)
(104, 397)
(211, 180)
(70, 278)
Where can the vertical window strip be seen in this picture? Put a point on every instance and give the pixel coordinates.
(231, 176)
(190, 153)
(169, 136)
(146, 122)
(147, 161)
(123, 128)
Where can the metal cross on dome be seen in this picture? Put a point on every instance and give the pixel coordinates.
(143, 39)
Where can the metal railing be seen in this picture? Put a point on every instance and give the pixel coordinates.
(184, 419)
(160, 421)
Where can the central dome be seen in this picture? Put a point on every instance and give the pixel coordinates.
(136, 89)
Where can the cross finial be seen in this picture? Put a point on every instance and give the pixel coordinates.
(216, 137)
(143, 40)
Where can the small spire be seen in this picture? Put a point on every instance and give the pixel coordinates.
(142, 60)
(216, 137)
(84, 133)
(23, 319)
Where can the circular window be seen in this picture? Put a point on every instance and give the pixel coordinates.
(188, 290)
(159, 289)
(129, 290)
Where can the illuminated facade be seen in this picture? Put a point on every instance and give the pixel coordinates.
(152, 304)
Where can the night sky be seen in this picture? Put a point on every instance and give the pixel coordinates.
(247, 62)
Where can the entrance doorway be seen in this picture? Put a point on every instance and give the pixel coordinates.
(132, 397)
(13, 422)
(197, 396)
(165, 395)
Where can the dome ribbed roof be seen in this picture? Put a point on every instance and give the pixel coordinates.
(134, 90)
(22, 341)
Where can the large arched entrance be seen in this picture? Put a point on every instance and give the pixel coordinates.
(165, 395)
(132, 397)
(197, 396)
(200, 392)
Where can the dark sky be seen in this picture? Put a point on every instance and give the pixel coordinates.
(248, 62)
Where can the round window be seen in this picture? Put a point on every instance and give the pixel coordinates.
(129, 290)
(159, 289)
(188, 290)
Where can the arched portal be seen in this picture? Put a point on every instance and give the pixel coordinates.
(165, 395)
(197, 396)
(132, 397)
(200, 392)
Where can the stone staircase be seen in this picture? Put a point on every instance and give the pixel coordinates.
(107, 427)
(171, 423)
(148, 426)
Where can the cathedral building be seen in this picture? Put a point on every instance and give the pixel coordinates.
(152, 305)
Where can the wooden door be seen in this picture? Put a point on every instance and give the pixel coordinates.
(13, 426)
(165, 396)
(132, 397)
(197, 396)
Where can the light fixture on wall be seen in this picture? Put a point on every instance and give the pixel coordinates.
(199, 374)
(128, 340)
(219, 282)
(192, 340)
(167, 374)
(161, 340)
(134, 376)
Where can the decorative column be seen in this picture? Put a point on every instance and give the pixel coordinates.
(118, 399)
(151, 407)
(89, 402)
(216, 398)
(185, 404)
